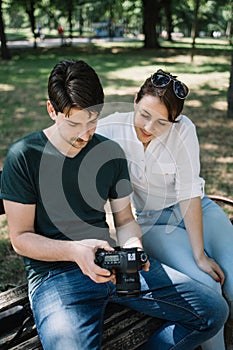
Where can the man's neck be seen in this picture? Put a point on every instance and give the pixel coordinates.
(61, 145)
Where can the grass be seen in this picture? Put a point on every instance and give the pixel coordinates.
(122, 67)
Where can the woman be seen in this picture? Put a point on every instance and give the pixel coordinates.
(181, 226)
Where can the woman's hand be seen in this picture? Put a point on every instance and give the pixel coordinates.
(210, 266)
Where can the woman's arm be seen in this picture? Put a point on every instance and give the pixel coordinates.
(191, 210)
(127, 229)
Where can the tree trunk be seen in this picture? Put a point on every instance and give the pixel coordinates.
(81, 22)
(70, 15)
(230, 93)
(4, 49)
(30, 12)
(195, 27)
(168, 12)
(151, 9)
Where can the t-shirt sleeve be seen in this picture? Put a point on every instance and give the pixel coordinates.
(16, 184)
(121, 185)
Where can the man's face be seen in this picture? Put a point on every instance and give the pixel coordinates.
(77, 129)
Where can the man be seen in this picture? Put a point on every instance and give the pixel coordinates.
(55, 184)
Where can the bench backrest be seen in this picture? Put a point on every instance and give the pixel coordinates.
(2, 210)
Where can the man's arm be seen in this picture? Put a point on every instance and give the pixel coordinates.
(26, 242)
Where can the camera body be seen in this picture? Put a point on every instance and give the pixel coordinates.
(126, 262)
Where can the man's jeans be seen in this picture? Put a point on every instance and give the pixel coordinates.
(69, 308)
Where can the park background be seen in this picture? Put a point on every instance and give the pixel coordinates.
(125, 42)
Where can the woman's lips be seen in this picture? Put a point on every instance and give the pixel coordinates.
(145, 133)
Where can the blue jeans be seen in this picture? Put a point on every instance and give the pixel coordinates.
(69, 307)
(165, 238)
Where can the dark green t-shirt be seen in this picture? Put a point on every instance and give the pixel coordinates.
(69, 193)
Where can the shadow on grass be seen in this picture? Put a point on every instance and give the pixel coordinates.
(122, 69)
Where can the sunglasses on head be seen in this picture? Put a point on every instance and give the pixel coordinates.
(161, 80)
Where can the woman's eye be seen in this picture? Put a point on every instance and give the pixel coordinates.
(145, 116)
(162, 123)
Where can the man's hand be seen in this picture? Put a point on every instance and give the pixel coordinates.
(146, 267)
(84, 255)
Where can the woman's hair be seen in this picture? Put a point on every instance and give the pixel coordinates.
(166, 95)
(73, 83)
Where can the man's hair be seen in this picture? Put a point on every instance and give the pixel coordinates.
(166, 95)
(74, 84)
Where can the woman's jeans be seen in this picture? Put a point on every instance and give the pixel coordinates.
(69, 307)
(165, 238)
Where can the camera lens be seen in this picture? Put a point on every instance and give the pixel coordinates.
(144, 257)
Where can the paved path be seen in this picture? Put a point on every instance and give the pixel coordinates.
(57, 42)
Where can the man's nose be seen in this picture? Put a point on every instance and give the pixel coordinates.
(85, 134)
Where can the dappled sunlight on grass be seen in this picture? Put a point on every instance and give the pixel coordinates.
(122, 68)
(193, 103)
(6, 87)
(221, 105)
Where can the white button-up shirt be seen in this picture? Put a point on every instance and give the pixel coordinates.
(164, 173)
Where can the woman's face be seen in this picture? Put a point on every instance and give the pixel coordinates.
(150, 119)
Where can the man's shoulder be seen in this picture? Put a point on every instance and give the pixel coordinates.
(107, 145)
(28, 139)
(27, 142)
(107, 142)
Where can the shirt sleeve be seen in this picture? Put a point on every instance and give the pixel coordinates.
(15, 180)
(104, 126)
(122, 186)
(188, 184)
(118, 171)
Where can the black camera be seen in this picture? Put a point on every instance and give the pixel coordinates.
(126, 262)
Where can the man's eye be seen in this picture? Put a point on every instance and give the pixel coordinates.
(94, 121)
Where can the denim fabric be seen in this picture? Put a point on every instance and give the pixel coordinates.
(165, 238)
(68, 309)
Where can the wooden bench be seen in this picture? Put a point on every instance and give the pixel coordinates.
(123, 328)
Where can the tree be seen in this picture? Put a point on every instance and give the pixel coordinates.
(4, 49)
(29, 7)
(167, 4)
(195, 26)
(151, 11)
(230, 93)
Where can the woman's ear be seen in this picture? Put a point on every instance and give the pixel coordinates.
(51, 110)
(134, 101)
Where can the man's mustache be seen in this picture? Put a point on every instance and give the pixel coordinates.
(79, 139)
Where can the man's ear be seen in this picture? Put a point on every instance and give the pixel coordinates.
(51, 110)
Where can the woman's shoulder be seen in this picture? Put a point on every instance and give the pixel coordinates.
(116, 118)
(184, 123)
(183, 119)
